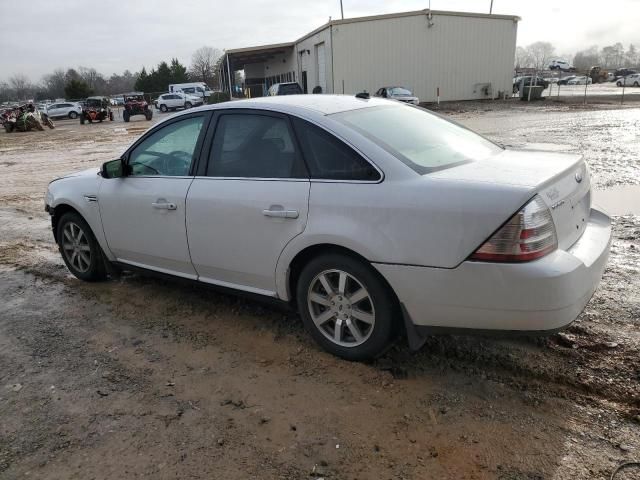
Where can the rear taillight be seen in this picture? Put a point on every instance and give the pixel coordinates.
(528, 235)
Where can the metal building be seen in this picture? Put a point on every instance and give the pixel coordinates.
(461, 55)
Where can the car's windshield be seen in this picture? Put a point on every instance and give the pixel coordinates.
(399, 91)
(423, 141)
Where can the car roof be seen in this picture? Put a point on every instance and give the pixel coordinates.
(325, 104)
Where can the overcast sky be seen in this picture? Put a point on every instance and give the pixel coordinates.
(38, 36)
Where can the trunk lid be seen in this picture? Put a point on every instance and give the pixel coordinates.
(561, 180)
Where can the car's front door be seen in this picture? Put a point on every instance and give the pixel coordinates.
(249, 202)
(143, 213)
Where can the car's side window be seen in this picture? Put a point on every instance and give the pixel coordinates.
(168, 151)
(254, 146)
(329, 158)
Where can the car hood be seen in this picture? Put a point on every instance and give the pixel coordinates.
(83, 173)
(404, 98)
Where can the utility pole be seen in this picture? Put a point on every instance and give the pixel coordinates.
(341, 10)
(491, 7)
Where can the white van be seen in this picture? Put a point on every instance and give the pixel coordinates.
(199, 89)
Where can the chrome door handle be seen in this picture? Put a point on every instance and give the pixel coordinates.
(164, 205)
(281, 213)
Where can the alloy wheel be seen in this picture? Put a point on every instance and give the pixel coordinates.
(75, 246)
(341, 308)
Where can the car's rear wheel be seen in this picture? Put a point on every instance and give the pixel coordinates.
(163, 108)
(347, 307)
(187, 105)
(80, 249)
(635, 84)
(73, 115)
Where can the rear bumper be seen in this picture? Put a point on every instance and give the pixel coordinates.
(542, 295)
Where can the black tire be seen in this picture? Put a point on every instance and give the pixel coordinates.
(163, 108)
(148, 114)
(82, 119)
(111, 116)
(618, 84)
(125, 115)
(635, 84)
(8, 127)
(187, 105)
(73, 115)
(95, 268)
(377, 336)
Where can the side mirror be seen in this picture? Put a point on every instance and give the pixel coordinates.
(113, 169)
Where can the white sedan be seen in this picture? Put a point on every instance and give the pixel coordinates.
(370, 216)
(632, 80)
(580, 81)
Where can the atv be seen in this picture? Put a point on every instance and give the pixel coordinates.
(24, 118)
(135, 104)
(96, 108)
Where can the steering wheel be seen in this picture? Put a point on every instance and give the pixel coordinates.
(155, 172)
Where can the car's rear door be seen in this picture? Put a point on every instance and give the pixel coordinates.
(248, 201)
(143, 213)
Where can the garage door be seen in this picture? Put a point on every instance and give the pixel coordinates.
(321, 70)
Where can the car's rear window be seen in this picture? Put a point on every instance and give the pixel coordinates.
(289, 89)
(422, 140)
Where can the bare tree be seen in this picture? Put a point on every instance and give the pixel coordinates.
(523, 59)
(54, 83)
(541, 53)
(585, 59)
(20, 85)
(632, 56)
(203, 64)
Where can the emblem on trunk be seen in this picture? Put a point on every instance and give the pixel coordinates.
(553, 193)
(578, 177)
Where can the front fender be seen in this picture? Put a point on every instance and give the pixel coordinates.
(83, 198)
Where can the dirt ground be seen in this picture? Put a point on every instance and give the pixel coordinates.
(145, 378)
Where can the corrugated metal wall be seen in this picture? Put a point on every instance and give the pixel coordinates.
(308, 61)
(459, 54)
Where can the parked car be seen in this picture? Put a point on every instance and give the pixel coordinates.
(581, 80)
(401, 94)
(117, 101)
(96, 109)
(287, 88)
(135, 104)
(173, 101)
(632, 80)
(528, 80)
(369, 215)
(560, 65)
(623, 72)
(66, 109)
(565, 80)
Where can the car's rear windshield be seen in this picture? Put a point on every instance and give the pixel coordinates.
(422, 140)
(289, 89)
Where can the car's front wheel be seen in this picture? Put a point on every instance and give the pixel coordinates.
(163, 107)
(187, 105)
(80, 249)
(347, 307)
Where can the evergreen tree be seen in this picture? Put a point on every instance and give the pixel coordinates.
(77, 89)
